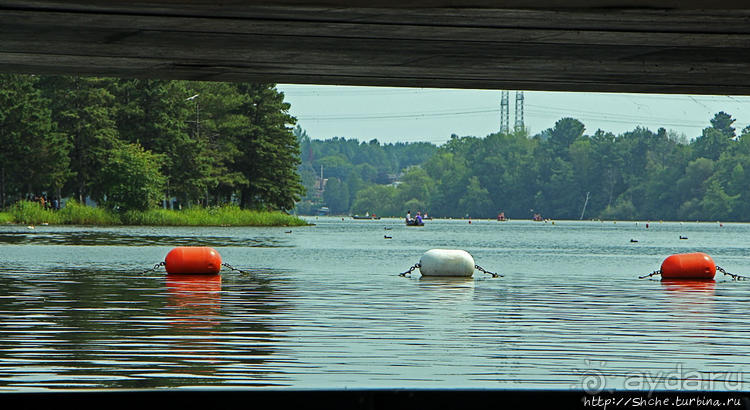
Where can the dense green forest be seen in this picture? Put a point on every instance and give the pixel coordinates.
(560, 173)
(140, 144)
(350, 168)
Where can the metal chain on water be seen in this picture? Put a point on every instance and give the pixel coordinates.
(226, 265)
(410, 270)
(157, 266)
(160, 264)
(656, 272)
(735, 277)
(719, 268)
(481, 269)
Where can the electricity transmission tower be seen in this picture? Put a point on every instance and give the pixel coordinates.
(519, 111)
(504, 112)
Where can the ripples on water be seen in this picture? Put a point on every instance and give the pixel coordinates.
(130, 237)
(324, 307)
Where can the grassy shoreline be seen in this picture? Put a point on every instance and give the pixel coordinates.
(73, 213)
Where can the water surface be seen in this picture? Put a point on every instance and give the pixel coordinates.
(323, 307)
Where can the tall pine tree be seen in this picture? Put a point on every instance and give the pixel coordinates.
(33, 158)
(83, 109)
(270, 151)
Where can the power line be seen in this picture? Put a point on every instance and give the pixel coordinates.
(413, 116)
(615, 117)
(534, 109)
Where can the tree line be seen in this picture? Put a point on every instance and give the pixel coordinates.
(133, 144)
(349, 167)
(560, 173)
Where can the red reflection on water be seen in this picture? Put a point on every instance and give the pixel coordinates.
(194, 300)
(194, 304)
(694, 286)
(692, 305)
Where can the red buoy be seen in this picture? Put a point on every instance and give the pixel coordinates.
(696, 265)
(193, 260)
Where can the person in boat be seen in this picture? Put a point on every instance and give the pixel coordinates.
(418, 220)
(408, 216)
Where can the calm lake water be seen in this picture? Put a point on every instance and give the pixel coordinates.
(323, 307)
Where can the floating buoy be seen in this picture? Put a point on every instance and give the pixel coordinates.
(696, 265)
(446, 262)
(193, 260)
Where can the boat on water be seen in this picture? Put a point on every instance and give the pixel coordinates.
(414, 222)
(365, 217)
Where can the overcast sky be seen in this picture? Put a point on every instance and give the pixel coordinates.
(423, 114)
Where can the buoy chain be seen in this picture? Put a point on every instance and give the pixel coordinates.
(157, 266)
(656, 272)
(410, 270)
(481, 269)
(226, 265)
(735, 277)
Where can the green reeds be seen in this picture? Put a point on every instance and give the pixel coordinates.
(221, 216)
(32, 213)
(73, 213)
(6, 218)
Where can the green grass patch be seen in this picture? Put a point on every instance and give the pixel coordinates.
(32, 213)
(219, 216)
(75, 213)
(6, 218)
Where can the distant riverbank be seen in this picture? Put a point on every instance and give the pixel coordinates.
(73, 213)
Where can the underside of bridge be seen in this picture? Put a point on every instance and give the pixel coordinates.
(673, 46)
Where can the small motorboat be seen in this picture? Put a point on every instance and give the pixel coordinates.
(414, 222)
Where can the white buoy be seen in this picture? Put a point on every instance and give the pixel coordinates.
(446, 262)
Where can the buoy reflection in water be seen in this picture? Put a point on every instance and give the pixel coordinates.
(194, 300)
(691, 303)
(449, 288)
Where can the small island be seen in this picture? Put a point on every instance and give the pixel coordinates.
(74, 213)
